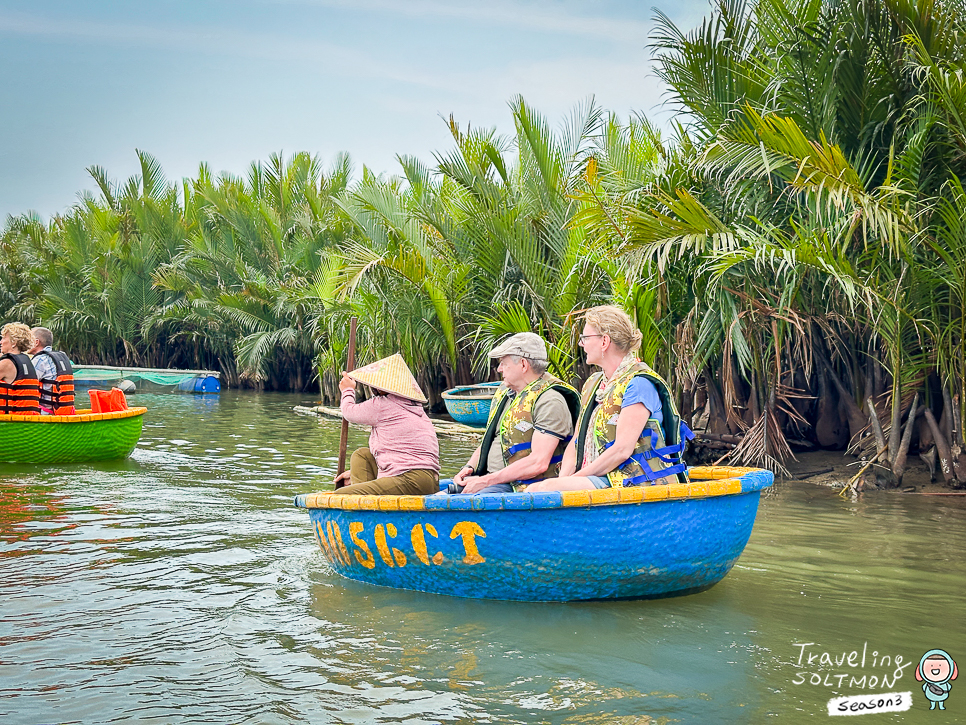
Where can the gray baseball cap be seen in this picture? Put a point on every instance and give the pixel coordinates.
(524, 344)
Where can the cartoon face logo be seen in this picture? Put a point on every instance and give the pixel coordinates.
(936, 670)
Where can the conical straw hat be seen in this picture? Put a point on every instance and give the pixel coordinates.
(391, 375)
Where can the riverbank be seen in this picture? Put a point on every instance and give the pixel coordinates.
(834, 469)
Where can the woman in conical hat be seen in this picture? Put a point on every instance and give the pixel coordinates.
(403, 453)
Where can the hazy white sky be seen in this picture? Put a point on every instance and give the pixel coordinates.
(232, 81)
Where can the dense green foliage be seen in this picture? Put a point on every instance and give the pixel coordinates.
(797, 248)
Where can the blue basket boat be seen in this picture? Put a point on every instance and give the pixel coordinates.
(618, 543)
(470, 404)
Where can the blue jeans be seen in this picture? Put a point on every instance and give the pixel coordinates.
(600, 481)
(498, 488)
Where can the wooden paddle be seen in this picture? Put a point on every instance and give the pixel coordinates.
(350, 365)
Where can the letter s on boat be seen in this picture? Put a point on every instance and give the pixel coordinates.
(368, 561)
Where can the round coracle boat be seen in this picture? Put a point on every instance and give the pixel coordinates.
(78, 438)
(618, 543)
(470, 404)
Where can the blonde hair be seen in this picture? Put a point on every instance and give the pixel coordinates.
(19, 335)
(614, 322)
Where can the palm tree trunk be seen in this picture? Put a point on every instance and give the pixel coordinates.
(857, 419)
(899, 463)
(942, 447)
(830, 429)
(894, 428)
(888, 477)
(717, 418)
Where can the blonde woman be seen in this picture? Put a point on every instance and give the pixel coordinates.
(628, 431)
(19, 386)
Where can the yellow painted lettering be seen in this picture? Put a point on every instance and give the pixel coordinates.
(335, 537)
(419, 544)
(330, 549)
(469, 530)
(399, 556)
(438, 556)
(418, 539)
(368, 560)
(382, 546)
(323, 542)
(330, 543)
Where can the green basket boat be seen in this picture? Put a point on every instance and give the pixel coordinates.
(78, 438)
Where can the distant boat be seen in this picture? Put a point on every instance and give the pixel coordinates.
(77, 438)
(470, 404)
(635, 542)
(188, 381)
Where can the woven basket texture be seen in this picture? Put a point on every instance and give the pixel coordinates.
(76, 441)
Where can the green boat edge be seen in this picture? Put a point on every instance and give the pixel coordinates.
(70, 439)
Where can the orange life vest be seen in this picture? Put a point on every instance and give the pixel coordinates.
(59, 398)
(21, 396)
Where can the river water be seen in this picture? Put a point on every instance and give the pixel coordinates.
(182, 586)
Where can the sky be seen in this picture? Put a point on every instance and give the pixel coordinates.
(229, 82)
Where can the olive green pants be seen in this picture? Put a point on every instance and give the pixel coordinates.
(363, 472)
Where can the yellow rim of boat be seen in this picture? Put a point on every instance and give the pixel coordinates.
(82, 416)
(706, 482)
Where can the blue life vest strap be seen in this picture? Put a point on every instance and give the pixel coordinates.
(650, 475)
(513, 450)
(670, 455)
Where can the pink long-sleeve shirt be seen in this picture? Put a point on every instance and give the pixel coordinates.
(402, 439)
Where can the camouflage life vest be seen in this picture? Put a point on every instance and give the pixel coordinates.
(511, 419)
(657, 454)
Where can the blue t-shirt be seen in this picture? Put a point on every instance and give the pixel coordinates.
(642, 390)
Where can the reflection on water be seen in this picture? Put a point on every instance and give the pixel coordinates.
(181, 586)
(28, 508)
(526, 662)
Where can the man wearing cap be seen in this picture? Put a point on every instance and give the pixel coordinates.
(531, 420)
(403, 453)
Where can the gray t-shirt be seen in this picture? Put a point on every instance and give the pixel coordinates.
(550, 415)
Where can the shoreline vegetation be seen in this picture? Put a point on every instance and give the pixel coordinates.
(794, 252)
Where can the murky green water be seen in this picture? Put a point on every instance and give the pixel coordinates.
(181, 586)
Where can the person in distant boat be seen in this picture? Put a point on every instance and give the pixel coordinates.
(19, 387)
(628, 432)
(55, 373)
(531, 421)
(403, 453)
